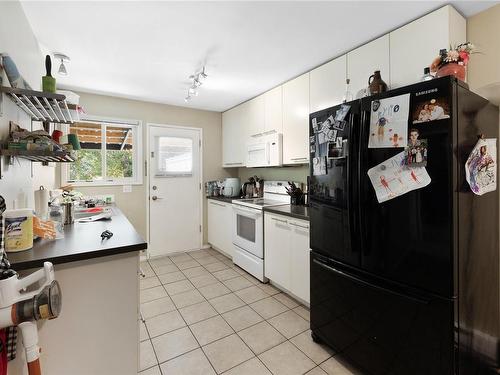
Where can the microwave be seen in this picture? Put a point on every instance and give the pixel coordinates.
(265, 150)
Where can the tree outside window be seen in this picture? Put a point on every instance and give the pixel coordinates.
(107, 152)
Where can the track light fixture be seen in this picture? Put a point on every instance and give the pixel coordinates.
(196, 81)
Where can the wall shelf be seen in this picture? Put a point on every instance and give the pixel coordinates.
(42, 106)
(45, 157)
(40, 156)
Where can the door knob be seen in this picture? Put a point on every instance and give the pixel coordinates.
(154, 197)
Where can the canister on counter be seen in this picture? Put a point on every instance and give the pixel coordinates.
(18, 226)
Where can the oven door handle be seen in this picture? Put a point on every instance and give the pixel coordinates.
(248, 211)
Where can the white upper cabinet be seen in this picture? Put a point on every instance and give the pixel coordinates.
(273, 110)
(414, 46)
(401, 57)
(296, 120)
(327, 87)
(234, 137)
(254, 110)
(363, 61)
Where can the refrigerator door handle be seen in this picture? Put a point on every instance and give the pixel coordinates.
(365, 283)
(363, 143)
(350, 153)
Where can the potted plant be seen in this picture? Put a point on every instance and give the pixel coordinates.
(453, 61)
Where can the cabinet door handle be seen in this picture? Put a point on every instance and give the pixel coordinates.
(269, 132)
(297, 159)
(298, 225)
(218, 204)
(279, 220)
(239, 163)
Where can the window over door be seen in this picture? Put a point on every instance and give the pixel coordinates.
(110, 154)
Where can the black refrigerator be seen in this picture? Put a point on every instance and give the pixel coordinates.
(410, 285)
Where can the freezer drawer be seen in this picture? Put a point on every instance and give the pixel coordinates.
(380, 330)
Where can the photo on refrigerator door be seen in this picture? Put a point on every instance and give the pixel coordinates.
(336, 148)
(389, 122)
(319, 166)
(426, 110)
(339, 121)
(416, 151)
(325, 131)
(480, 168)
(392, 178)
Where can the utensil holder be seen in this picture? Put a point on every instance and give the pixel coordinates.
(69, 213)
(297, 200)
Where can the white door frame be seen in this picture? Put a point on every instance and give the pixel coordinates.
(148, 174)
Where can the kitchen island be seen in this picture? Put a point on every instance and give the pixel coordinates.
(97, 331)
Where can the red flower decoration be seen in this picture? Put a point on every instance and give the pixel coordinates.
(464, 56)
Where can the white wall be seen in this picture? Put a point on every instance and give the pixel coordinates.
(134, 204)
(484, 67)
(17, 39)
(296, 173)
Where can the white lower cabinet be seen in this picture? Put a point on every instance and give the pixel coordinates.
(286, 253)
(219, 226)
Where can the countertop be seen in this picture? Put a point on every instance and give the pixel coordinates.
(297, 212)
(223, 199)
(82, 241)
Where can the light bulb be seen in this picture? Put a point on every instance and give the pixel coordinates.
(187, 98)
(62, 69)
(192, 91)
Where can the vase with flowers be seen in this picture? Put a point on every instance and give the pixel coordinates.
(453, 61)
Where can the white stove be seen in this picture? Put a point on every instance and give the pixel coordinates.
(248, 227)
(260, 203)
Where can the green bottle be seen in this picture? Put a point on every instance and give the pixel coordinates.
(48, 82)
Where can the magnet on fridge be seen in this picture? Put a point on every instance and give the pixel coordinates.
(314, 122)
(339, 125)
(331, 135)
(342, 112)
(319, 166)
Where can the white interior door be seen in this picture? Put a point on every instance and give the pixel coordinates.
(174, 189)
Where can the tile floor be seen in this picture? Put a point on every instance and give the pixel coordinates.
(205, 315)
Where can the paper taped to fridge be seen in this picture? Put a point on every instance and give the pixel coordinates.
(481, 167)
(389, 122)
(392, 178)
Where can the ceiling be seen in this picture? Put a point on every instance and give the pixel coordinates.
(146, 50)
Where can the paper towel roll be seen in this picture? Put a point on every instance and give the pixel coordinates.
(41, 202)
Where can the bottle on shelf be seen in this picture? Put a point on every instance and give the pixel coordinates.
(348, 95)
(427, 75)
